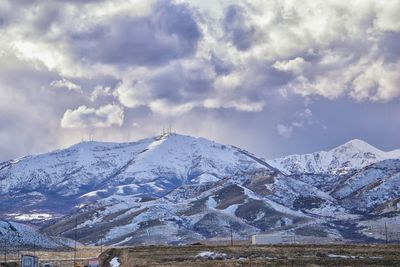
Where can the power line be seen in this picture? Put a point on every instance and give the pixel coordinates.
(76, 226)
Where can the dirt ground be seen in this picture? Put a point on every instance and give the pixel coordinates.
(274, 255)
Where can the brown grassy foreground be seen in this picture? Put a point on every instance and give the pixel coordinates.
(274, 255)
(240, 255)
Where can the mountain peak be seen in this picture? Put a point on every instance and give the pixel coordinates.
(359, 145)
(357, 142)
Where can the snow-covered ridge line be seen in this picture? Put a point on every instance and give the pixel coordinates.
(354, 154)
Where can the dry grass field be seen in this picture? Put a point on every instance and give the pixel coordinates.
(276, 255)
(240, 255)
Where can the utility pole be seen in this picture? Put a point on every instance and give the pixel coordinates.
(76, 226)
(5, 250)
(101, 245)
(386, 234)
(231, 235)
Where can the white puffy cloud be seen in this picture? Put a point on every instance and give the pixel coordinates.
(85, 117)
(64, 83)
(377, 82)
(295, 65)
(387, 15)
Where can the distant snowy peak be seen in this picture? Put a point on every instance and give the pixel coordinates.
(354, 154)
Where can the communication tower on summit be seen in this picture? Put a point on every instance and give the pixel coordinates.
(168, 130)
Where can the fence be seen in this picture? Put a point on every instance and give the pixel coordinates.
(52, 262)
(12, 257)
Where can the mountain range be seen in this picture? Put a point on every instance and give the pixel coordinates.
(176, 189)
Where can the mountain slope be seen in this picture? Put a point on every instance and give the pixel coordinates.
(352, 155)
(373, 189)
(19, 235)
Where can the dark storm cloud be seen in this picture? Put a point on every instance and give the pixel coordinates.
(174, 84)
(237, 28)
(178, 84)
(168, 33)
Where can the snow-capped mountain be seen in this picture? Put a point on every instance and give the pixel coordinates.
(149, 168)
(352, 155)
(180, 189)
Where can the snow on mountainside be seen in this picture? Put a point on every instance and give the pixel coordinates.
(375, 188)
(168, 183)
(19, 235)
(352, 155)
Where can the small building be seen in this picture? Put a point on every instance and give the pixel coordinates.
(267, 239)
(93, 263)
(29, 261)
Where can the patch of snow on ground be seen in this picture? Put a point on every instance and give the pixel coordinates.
(123, 241)
(31, 216)
(211, 255)
(338, 256)
(205, 178)
(351, 257)
(211, 203)
(231, 209)
(115, 262)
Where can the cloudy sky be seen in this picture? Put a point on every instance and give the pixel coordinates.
(274, 77)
